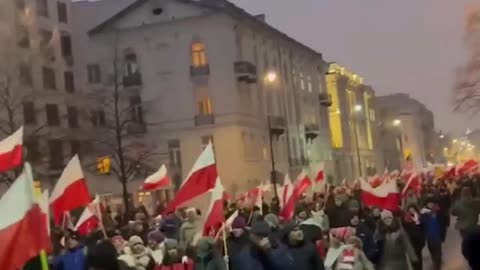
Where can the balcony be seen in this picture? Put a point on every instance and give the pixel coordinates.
(245, 72)
(199, 71)
(325, 99)
(204, 120)
(277, 125)
(136, 128)
(311, 132)
(132, 80)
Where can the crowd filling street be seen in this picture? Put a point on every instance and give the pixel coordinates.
(334, 230)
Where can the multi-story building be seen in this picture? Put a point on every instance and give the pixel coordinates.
(205, 71)
(415, 124)
(37, 85)
(352, 124)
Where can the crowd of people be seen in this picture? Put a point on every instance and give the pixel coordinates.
(334, 231)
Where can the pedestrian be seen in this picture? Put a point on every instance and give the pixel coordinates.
(415, 231)
(138, 257)
(394, 244)
(264, 252)
(207, 257)
(338, 213)
(156, 246)
(239, 237)
(352, 257)
(103, 256)
(74, 258)
(174, 257)
(363, 232)
(188, 231)
(274, 223)
(467, 210)
(304, 253)
(433, 233)
(471, 246)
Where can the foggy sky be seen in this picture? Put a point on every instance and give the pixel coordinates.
(410, 46)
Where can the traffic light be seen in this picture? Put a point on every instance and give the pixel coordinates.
(103, 165)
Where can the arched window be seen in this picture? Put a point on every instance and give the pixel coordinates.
(199, 55)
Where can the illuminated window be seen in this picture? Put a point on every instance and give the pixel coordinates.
(199, 55)
(205, 106)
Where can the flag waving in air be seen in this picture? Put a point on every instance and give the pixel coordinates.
(11, 151)
(157, 180)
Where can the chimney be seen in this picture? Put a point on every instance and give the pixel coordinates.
(261, 17)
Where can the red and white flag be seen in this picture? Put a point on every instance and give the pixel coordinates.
(286, 191)
(467, 167)
(11, 151)
(214, 217)
(22, 225)
(157, 180)
(414, 183)
(303, 183)
(90, 219)
(376, 181)
(385, 196)
(45, 209)
(71, 190)
(200, 180)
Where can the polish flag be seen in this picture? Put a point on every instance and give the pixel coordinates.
(22, 226)
(257, 196)
(157, 180)
(11, 151)
(286, 191)
(375, 181)
(414, 183)
(303, 183)
(467, 167)
(320, 177)
(214, 218)
(90, 218)
(71, 190)
(43, 204)
(385, 196)
(200, 180)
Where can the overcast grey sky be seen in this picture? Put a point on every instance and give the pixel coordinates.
(410, 46)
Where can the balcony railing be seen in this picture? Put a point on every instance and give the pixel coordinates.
(311, 132)
(245, 71)
(196, 71)
(204, 119)
(134, 79)
(325, 99)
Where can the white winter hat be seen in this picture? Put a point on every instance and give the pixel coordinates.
(386, 214)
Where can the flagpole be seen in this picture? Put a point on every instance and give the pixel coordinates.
(43, 260)
(225, 249)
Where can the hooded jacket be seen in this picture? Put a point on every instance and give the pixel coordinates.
(304, 253)
(275, 258)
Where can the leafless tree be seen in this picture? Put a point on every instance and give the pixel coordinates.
(467, 86)
(119, 115)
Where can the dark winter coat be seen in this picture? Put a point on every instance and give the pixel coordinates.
(431, 224)
(212, 261)
(236, 244)
(304, 254)
(339, 216)
(276, 258)
(471, 246)
(369, 246)
(416, 234)
(394, 245)
(466, 211)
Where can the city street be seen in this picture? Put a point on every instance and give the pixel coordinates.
(452, 252)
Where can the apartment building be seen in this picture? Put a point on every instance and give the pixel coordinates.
(207, 71)
(353, 124)
(415, 127)
(37, 83)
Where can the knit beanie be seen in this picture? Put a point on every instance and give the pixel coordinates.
(134, 240)
(239, 223)
(272, 220)
(156, 236)
(170, 244)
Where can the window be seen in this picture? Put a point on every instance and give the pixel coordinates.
(205, 107)
(48, 75)
(174, 153)
(136, 109)
(62, 12)
(33, 153)
(45, 38)
(302, 82)
(69, 81)
(23, 37)
(55, 150)
(131, 66)
(29, 116)
(93, 73)
(199, 56)
(72, 113)
(25, 74)
(75, 147)
(309, 84)
(20, 4)
(42, 8)
(66, 45)
(53, 118)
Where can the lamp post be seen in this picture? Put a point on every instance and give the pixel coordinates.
(357, 109)
(270, 78)
(398, 123)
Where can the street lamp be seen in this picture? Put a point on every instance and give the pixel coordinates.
(442, 136)
(271, 78)
(397, 122)
(454, 141)
(357, 109)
